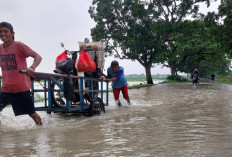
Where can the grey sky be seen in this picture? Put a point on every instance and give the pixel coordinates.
(43, 24)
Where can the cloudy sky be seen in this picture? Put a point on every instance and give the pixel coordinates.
(43, 24)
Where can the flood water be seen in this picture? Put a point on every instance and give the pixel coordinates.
(164, 120)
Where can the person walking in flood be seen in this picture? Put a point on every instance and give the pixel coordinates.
(213, 77)
(16, 87)
(195, 76)
(115, 74)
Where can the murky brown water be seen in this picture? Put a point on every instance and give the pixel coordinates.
(165, 120)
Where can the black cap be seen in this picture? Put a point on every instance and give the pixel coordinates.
(7, 25)
(114, 63)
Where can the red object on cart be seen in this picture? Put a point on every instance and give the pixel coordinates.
(85, 62)
(62, 57)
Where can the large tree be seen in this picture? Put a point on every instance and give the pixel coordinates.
(219, 26)
(218, 64)
(189, 39)
(139, 29)
(225, 12)
(126, 27)
(183, 38)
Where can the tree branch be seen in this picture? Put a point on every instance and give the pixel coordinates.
(140, 61)
(161, 8)
(117, 52)
(195, 54)
(166, 65)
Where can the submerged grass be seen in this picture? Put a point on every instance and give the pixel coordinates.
(225, 79)
(176, 78)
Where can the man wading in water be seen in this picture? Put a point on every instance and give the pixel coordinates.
(16, 87)
(115, 73)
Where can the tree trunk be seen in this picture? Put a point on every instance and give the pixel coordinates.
(173, 70)
(147, 65)
(148, 75)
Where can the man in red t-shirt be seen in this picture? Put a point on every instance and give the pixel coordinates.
(16, 87)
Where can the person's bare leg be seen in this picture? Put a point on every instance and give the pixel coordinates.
(36, 118)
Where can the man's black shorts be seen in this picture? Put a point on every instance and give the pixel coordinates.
(21, 102)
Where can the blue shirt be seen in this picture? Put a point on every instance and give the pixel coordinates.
(121, 79)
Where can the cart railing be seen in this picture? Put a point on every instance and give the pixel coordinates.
(49, 78)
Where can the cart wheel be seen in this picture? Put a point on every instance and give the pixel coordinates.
(90, 112)
(96, 107)
(101, 104)
(58, 99)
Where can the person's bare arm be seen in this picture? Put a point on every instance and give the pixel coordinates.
(36, 62)
(111, 79)
(104, 75)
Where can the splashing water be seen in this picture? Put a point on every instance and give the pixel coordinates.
(164, 120)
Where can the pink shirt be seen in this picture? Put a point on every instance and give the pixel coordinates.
(13, 59)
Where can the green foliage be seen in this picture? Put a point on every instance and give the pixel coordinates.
(225, 8)
(176, 78)
(225, 33)
(218, 64)
(191, 42)
(225, 79)
(220, 32)
(140, 30)
(158, 32)
(38, 98)
(169, 81)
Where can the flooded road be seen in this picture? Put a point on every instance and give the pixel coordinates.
(164, 120)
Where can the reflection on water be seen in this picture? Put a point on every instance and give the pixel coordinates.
(164, 120)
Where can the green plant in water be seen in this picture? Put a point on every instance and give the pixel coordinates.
(176, 78)
(38, 98)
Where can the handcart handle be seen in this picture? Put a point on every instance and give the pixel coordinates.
(54, 75)
(49, 74)
(23, 71)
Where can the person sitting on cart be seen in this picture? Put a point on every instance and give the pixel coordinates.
(115, 74)
(16, 87)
